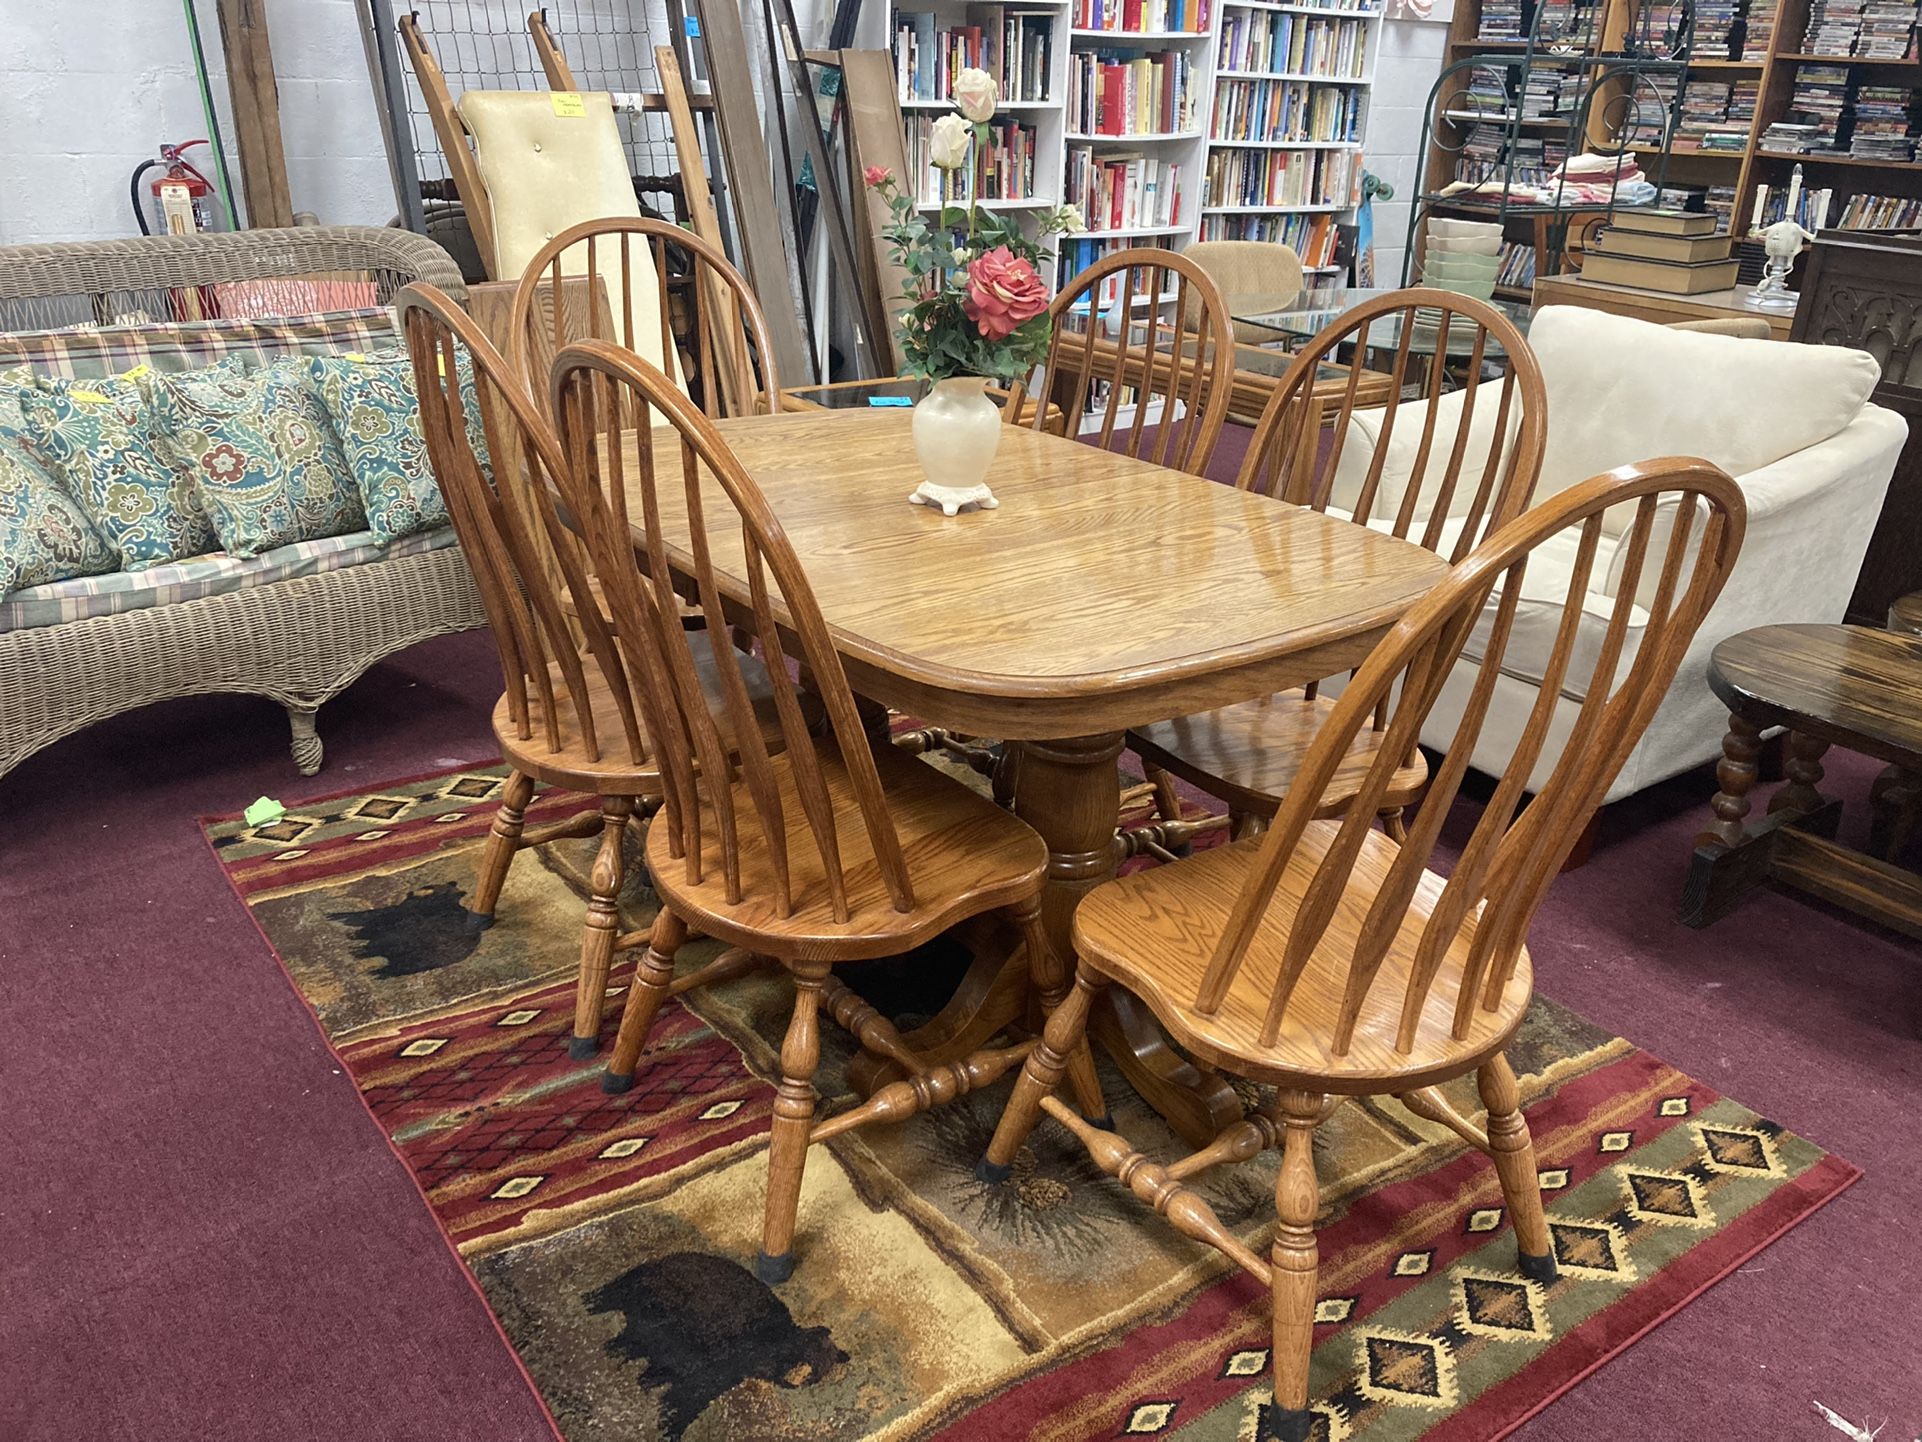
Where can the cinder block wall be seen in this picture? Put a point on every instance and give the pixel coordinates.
(87, 91)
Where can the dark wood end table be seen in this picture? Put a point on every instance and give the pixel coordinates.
(1847, 686)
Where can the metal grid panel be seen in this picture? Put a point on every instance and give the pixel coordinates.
(484, 45)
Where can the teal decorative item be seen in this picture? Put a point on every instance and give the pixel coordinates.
(375, 413)
(261, 452)
(101, 438)
(44, 535)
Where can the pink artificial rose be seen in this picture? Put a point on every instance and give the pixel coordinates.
(877, 176)
(1004, 293)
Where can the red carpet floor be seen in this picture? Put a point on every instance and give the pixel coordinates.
(206, 1237)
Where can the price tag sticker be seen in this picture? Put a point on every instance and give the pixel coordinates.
(569, 105)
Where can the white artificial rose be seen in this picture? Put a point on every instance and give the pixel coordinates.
(1069, 219)
(974, 94)
(960, 255)
(948, 142)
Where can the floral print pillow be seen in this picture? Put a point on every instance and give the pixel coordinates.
(44, 535)
(259, 449)
(371, 402)
(101, 438)
(14, 384)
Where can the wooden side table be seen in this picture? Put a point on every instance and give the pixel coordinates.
(1846, 686)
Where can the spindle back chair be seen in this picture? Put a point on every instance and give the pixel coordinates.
(568, 717)
(1109, 340)
(824, 850)
(1327, 960)
(1455, 488)
(670, 296)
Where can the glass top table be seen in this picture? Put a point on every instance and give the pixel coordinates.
(1310, 313)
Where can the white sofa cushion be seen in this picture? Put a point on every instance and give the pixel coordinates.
(1623, 390)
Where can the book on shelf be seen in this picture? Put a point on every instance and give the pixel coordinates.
(1286, 110)
(1881, 212)
(1120, 92)
(1143, 17)
(1013, 45)
(1075, 254)
(1123, 190)
(1517, 270)
(1003, 168)
(1670, 276)
(1884, 124)
(1311, 237)
(1811, 210)
(1281, 177)
(1655, 221)
(1279, 42)
(1649, 245)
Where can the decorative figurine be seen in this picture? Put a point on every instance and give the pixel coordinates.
(1783, 241)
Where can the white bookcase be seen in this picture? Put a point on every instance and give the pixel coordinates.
(1286, 165)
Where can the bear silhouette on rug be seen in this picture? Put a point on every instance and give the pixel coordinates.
(424, 931)
(703, 1325)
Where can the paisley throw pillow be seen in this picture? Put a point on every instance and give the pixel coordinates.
(44, 535)
(101, 437)
(376, 417)
(258, 448)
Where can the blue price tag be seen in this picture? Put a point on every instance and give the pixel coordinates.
(692, 26)
(889, 401)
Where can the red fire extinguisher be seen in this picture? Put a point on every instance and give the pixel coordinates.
(182, 198)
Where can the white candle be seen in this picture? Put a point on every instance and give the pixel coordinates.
(1795, 192)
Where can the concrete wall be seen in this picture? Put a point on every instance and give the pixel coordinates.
(87, 91)
(1411, 58)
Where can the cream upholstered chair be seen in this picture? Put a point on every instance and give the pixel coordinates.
(1251, 275)
(1792, 423)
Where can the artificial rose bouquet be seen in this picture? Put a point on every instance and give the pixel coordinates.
(977, 305)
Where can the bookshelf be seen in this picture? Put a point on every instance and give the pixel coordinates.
(1736, 76)
(1247, 120)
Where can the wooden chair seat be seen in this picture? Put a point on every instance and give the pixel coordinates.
(614, 772)
(964, 854)
(1154, 932)
(1248, 754)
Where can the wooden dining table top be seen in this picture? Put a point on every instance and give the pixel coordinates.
(1103, 593)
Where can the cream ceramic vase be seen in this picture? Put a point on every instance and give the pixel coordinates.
(957, 429)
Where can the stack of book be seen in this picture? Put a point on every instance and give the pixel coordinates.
(1758, 29)
(1481, 154)
(1888, 29)
(1884, 124)
(1564, 23)
(1715, 34)
(1124, 92)
(1820, 100)
(1287, 110)
(1014, 46)
(1786, 137)
(1720, 203)
(1548, 95)
(1881, 212)
(1500, 20)
(1674, 251)
(1119, 190)
(1537, 160)
(1652, 102)
(1142, 17)
(1660, 30)
(1833, 26)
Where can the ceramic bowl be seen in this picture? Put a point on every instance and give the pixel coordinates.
(1461, 267)
(1464, 245)
(1460, 229)
(1479, 289)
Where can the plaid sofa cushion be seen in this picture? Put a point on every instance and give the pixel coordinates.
(190, 580)
(193, 345)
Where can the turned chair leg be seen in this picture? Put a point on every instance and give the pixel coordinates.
(603, 925)
(1067, 1031)
(1514, 1154)
(502, 842)
(1394, 824)
(1051, 986)
(1295, 1260)
(787, 1151)
(651, 980)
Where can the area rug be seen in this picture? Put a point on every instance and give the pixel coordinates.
(611, 1235)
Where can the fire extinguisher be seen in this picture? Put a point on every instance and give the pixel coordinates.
(182, 198)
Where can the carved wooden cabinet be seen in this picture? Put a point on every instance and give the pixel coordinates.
(1864, 289)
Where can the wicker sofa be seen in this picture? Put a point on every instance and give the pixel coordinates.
(299, 640)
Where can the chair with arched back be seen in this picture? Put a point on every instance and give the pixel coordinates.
(825, 851)
(1327, 960)
(1451, 455)
(568, 718)
(655, 289)
(1110, 341)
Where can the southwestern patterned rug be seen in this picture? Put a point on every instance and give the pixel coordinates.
(610, 1234)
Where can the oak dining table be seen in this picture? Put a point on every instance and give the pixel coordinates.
(1103, 593)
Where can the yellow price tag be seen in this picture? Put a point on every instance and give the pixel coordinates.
(136, 373)
(569, 105)
(89, 398)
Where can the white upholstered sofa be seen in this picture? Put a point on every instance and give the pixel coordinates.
(1792, 423)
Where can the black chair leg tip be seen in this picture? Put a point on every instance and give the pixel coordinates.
(1102, 1123)
(1539, 1269)
(478, 921)
(613, 1083)
(774, 1270)
(1286, 1424)
(987, 1171)
(582, 1048)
